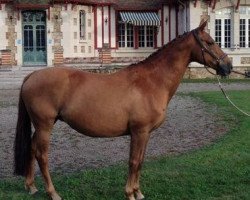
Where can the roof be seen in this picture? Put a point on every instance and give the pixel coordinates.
(124, 4)
(33, 2)
(140, 4)
(118, 4)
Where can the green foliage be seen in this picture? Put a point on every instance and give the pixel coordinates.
(219, 171)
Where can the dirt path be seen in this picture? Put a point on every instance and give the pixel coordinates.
(189, 126)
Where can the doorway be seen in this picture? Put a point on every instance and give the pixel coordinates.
(34, 38)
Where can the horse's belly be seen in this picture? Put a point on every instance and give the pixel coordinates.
(101, 131)
(99, 127)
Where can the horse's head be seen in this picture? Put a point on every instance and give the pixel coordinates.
(207, 52)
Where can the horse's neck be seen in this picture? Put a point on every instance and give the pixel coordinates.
(172, 64)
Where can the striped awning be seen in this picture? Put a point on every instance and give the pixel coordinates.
(141, 18)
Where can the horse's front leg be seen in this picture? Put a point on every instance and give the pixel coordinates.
(139, 140)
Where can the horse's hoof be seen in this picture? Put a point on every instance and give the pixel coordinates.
(139, 196)
(31, 189)
(55, 196)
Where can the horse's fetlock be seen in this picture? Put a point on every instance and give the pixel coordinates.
(54, 196)
(51, 191)
(129, 191)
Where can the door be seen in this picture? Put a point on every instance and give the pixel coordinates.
(34, 38)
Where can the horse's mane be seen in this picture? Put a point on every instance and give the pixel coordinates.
(170, 44)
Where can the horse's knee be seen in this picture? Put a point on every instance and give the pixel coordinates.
(41, 157)
(135, 165)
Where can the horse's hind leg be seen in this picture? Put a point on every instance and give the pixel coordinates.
(41, 140)
(30, 177)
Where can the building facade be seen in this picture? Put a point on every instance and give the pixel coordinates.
(82, 32)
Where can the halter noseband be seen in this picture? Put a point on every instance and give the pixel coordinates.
(204, 50)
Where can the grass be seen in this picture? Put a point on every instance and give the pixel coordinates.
(220, 171)
(214, 80)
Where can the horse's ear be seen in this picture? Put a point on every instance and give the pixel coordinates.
(203, 24)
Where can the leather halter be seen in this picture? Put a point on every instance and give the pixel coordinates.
(204, 50)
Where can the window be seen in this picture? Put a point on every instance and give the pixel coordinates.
(244, 27)
(146, 36)
(130, 35)
(142, 37)
(248, 32)
(223, 27)
(150, 36)
(137, 29)
(82, 25)
(121, 35)
(126, 35)
(242, 32)
(227, 33)
(218, 31)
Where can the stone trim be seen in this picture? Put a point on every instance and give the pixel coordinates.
(11, 34)
(57, 35)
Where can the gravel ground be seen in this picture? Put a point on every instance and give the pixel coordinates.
(189, 125)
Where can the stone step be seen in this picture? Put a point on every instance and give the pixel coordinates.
(12, 78)
(12, 75)
(10, 86)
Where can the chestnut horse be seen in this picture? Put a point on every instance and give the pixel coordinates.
(132, 101)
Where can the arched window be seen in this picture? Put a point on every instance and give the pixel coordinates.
(244, 28)
(223, 27)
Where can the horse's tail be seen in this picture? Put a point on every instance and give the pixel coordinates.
(22, 146)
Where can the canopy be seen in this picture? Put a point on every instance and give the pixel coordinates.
(141, 18)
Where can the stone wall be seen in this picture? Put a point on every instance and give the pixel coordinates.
(11, 34)
(93, 60)
(201, 73)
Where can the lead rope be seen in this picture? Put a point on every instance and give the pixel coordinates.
(221, 87)
(225, 94)
(230, 101)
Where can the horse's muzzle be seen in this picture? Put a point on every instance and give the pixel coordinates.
(224, 69)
